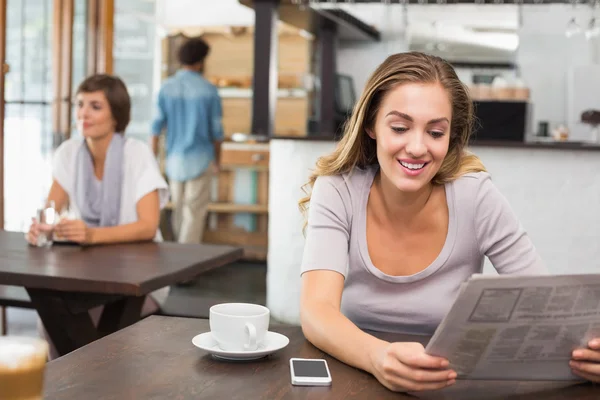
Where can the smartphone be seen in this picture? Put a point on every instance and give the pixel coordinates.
(309, 372)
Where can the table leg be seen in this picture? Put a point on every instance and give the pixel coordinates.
(67, 330)
(67, 321)
(120, 314)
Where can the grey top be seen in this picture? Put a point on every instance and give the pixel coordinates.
(481, 223)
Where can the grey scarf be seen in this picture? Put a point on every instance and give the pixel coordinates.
(100, 202)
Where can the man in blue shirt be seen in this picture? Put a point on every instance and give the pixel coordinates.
(189, 107)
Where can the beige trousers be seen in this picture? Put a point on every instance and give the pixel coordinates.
(190, 203)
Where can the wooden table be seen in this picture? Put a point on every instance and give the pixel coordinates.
(65, 281)
(155, 359)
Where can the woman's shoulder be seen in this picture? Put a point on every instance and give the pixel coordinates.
(476, 190)
(133, 147)
(67, 149)
(472, 181)
(349, 183)
(137, 146)
(70, 144)
(139, 159)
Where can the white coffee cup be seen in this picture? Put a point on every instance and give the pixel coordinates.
(239, 326)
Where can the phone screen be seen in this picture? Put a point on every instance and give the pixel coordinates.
(310, 368)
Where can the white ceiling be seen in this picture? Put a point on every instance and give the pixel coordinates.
(186, 13)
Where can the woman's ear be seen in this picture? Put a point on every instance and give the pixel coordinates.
(371, 134)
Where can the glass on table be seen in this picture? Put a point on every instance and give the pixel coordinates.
(47, 218)
(22, 367)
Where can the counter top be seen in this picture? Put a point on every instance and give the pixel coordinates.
(540, 145)
(306, 138)
(496, 143)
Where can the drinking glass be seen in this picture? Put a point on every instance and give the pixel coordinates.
(47, 218)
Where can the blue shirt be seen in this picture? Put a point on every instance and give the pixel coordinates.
(190, 108)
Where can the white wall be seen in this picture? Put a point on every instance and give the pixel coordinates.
(554, 193)
(370, 55)
(389, 21)
(558, 202)
(289, 167)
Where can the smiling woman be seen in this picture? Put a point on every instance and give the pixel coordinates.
(400, 216)
(413, 142)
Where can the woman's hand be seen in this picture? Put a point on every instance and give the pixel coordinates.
(586, 361)
(74, 230)
(34, 230)
(405, 367)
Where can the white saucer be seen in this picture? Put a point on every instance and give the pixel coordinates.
(273, 341)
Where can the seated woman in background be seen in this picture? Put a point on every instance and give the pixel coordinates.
(112, 184)
(400, 215)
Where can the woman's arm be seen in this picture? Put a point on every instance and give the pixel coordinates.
(58, 195)
(148, 211)
(327, 328)
(398, 366)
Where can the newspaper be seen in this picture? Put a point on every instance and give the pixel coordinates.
(519, 328)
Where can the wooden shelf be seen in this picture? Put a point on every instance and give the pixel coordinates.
(232, 208)
(235, 167)
(243, 93)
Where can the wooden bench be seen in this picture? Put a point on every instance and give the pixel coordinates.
(12, 296)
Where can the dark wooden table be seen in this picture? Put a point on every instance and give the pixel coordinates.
(65, 281)
(155, 359)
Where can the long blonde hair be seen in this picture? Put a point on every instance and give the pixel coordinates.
(357, 149)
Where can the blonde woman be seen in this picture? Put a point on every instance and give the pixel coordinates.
(399, 215)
